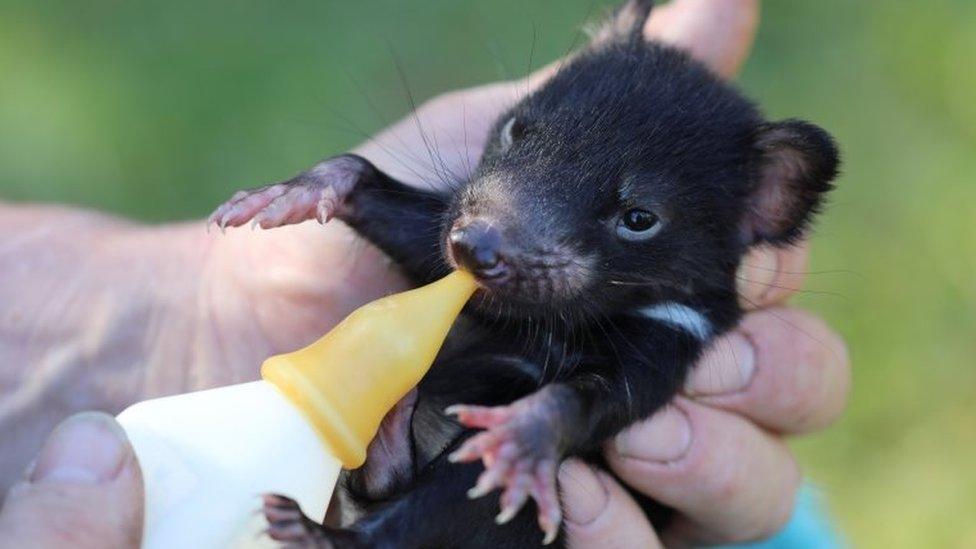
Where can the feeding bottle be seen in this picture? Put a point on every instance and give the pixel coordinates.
(208, 456)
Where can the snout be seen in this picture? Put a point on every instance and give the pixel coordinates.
(476, 247)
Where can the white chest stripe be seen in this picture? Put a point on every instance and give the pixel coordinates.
(680, 316)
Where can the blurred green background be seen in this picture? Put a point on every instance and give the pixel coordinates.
(157, 110)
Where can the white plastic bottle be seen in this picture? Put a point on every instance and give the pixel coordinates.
(208, 457)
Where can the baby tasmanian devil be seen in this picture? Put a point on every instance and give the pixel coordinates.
(604, 225)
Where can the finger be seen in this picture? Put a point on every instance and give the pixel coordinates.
(85, 491)
(769, 275)
(598, 512)
(728, 480)
(717, 32)
(784, 369)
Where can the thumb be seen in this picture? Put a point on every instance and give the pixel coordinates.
(718, 33)
(84, 490)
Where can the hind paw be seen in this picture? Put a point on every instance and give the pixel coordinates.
(520, 452)
(318, 194)
(287, 524)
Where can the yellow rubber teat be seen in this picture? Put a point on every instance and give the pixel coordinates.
(350, 378)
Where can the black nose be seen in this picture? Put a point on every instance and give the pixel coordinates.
(476, 248)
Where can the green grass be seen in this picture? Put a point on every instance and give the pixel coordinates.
(157, 110)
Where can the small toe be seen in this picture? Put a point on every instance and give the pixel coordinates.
(480, 417)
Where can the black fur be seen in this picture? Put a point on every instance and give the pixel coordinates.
(627, 124)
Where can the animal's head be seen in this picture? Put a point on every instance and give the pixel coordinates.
(634, 174)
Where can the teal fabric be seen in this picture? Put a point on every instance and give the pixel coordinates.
(809, 527)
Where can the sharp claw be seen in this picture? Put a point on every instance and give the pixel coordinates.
(477, 492)
(454, 409)
(550, 536)
(460, 456)
(488, 481)
(512, 501)
(507, 514)
(550, 525)
(325, 214)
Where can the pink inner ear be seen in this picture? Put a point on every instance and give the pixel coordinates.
(778, 196)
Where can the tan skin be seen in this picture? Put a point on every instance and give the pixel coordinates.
(100, 312)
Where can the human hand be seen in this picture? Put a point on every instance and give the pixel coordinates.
(158, 310)
(718, 455)
(84, 490)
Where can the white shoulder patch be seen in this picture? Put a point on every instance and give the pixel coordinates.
(680, 316)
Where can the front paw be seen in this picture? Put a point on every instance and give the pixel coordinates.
(520, 451)
(318, 193)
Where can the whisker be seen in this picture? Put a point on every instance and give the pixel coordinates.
(794, 326)
(807, 273)
(794, 290)
(431, 152)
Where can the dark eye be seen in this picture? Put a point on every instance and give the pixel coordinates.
(638, 224)
(511, 131)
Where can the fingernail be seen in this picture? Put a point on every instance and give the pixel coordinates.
(87, 448)
(665, 437)
(584, 495)
(726, 367)
(757, 274)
